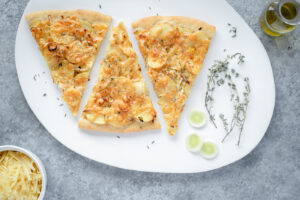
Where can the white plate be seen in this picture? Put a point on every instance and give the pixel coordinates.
(130, 151)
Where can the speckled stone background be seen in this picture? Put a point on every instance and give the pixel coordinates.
(271, 171)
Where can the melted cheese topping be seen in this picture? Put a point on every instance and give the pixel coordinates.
(19, 177)
(174, 55)
(69, 46)
(120, 97)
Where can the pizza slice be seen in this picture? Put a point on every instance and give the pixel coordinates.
(173, 49)
(119, 101)
(69, 40)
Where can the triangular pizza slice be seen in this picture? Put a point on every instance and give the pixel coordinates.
(69, 40)
(173, 49)
(119, 101)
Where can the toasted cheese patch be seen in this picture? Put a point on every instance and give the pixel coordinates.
(119, 100)
(174, 49)
(161, 30)
(140, 87)
(69, 42)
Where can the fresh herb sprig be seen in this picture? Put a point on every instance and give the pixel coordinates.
(220, 74)
(219, 68)
(233, 30)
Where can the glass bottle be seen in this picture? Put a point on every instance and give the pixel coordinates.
(280, 17)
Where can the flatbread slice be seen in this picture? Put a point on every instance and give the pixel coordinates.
(119, 101)
(173, 49)
(69, 40)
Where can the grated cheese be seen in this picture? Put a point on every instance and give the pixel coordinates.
(20, 178)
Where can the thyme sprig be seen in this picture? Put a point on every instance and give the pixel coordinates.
(219, 75)
(233, 30)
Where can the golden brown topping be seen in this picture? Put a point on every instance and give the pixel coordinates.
(174, 55)
(120, 97)
(69, 45)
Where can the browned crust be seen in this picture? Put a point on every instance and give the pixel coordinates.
(192, 24)
(189, 22)
(88, 15)
(134, 127)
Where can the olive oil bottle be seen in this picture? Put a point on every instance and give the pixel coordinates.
(280, 17)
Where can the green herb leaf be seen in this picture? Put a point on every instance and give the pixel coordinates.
(218, 76)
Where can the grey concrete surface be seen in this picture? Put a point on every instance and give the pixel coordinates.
(271, 171)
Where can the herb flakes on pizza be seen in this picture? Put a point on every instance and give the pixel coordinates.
(120, 101)
(69, 40)
(174, 49)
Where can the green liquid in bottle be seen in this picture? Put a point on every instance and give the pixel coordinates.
(273, 24)
(289, 11)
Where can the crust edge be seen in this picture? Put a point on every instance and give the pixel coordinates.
(87, 125)
(89, 15)
(192, 23)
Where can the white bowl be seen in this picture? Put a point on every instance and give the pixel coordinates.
(37, 161)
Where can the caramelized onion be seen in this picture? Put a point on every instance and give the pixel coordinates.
(52, 46)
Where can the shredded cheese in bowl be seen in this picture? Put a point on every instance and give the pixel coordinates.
(20, 177)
